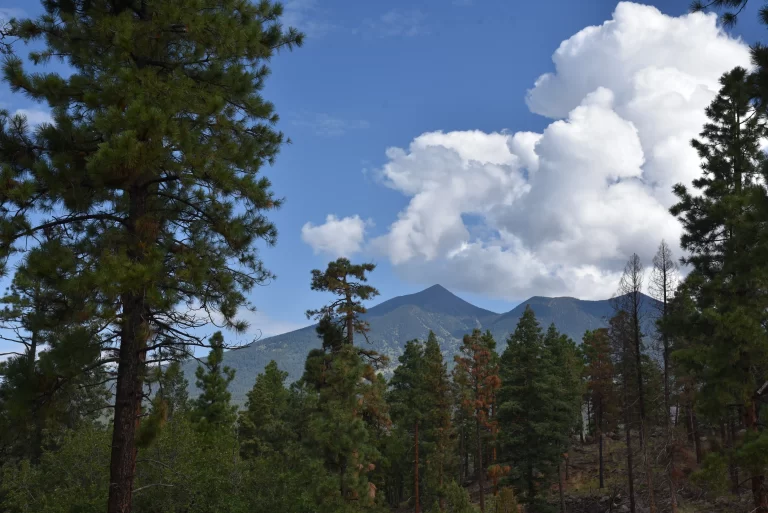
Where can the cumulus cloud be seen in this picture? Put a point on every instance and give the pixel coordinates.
(336, 237)
(559, 212)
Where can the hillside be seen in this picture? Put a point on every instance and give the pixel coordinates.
(404, 318)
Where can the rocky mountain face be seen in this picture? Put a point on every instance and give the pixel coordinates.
(404, 318)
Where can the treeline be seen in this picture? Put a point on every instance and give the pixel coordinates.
(133, 220)
(342, 438)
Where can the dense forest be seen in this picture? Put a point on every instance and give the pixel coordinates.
(132, 221)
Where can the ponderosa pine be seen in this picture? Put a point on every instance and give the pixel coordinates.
(724, 235)
(149, 170)
(476, 375)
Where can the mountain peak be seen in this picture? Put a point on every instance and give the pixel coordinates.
(433, 299)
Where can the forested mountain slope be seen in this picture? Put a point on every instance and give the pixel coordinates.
(404, 318)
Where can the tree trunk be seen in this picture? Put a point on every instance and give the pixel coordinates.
(134, 334)
(417, 509)
(627, 431)
(495, 476)
(479, 469)
(730, 443)
(560, 486)
(649, 476)
(639, 364)
(759, 495)
(128, 394)
(480, 473)
(441, 500)
(600, 453)
(696, 437)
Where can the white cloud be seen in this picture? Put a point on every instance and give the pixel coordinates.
(35, 116)
(561, 211)
(397, 23)
(327, 125)
(335, 237)
(305, 16)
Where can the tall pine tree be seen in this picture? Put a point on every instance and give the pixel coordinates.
(149, 171)
(725, 237)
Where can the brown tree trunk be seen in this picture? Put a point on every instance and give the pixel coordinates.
(696, 437)
(730, 443)
(134, 333)
(649, 475)
(560, 486)
(128, 395)
(417, 509)
(759, 496)
(599, 425)
(480, 472)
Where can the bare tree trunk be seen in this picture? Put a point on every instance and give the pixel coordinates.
(627, 432)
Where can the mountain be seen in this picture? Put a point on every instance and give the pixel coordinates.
(404, 318)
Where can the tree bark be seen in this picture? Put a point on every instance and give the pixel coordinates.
(417, 509)
(131, 356)
(628, 434)
(600, 445)
(560, 486)
(696, 437)
(480, 472)
(730, 443)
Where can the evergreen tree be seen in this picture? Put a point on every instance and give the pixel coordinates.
(346, 310)
(536, 412)
(345, 410)
(723, 232)
(148, 174)
(621, 331)
(439, 432)
(263, 427)
(599, 373)
(212, 412)
(476, 374)
(407, 402)
(172, 389)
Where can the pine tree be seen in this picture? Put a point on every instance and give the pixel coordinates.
(536, 413)
(53, 380)
(211, 410)
(149, 170)
(347, 309)
(723, 232)
(476, 374)
(407, 402)
(439, 432)
(263, 426)
(630, 300)
(599, 373)
(339, 383)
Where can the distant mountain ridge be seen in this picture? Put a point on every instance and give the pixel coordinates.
(404, 318)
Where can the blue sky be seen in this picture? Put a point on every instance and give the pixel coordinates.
(377, 75)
